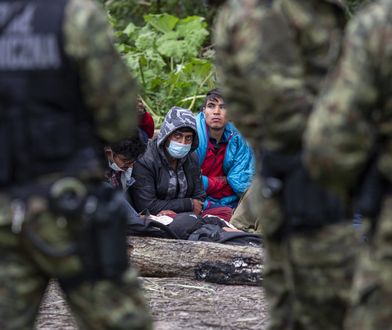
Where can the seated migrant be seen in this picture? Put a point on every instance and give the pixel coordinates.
(226, 159)
(168, 179)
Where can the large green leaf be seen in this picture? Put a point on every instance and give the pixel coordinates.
(163, 22)
(145, 39)
(130, 29)
(168, 45)
(197, 70)
(185, 40)
(194, 24)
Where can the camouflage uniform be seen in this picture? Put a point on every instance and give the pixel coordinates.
(351, 121)
(272, 58)
(25, 270)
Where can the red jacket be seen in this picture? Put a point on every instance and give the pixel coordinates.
(212, 168)
(146, 123)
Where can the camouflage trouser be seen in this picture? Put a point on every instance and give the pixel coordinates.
(307, 275)
(372, 289)
(243, 218)
(25, 272)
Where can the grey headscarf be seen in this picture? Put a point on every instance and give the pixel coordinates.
(177, 118)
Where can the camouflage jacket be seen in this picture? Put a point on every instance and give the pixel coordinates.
(354, 116)
(272, 57)
(107, 86)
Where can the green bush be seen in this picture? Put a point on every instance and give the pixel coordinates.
(167, 57)
(126, 11)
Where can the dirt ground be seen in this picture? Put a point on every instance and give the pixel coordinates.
(179, 303)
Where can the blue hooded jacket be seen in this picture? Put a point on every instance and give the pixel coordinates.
(238, 164)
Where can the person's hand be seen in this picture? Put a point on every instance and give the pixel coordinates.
(169, 213)
(228, 229)
(141, 109)
(197, 206)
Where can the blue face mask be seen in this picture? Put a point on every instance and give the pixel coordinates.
(178, 150)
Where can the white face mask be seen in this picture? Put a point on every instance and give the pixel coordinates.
(115, 167)
(128, 173)
(126, 178)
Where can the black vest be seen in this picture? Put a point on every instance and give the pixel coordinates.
(45, 126)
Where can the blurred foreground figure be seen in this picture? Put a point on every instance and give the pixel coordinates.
(349, 143)
(63, 92)
(273, 57)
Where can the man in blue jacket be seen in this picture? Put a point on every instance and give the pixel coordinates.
(226, 159)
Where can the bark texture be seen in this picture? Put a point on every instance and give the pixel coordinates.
(211, 262)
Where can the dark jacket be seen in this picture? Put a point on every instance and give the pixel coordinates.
(152, 173)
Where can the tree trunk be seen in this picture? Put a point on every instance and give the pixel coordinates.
(211, 262)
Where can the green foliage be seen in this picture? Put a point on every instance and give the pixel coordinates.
(166, 56)
(126, 11)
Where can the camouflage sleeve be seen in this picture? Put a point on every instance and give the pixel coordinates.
(107, 86)
(262, 73)
(340, 135)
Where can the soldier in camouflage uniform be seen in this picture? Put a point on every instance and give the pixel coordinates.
(272, 58)
(351, 126)
(63, 89)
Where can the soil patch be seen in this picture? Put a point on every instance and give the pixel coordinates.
(178, 303)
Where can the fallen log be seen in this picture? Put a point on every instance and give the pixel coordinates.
(205, 261)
